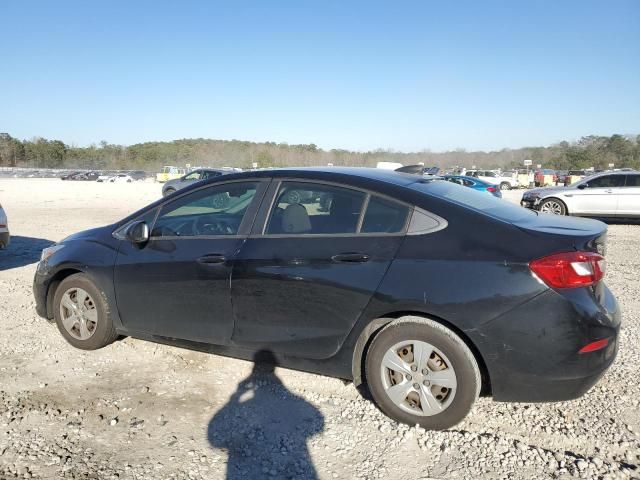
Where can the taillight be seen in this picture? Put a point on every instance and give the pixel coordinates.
(491, 189)
(570, 269)
(594, 346)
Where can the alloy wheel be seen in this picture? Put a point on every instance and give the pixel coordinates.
(551, 206)
(78, 313)
(418, 378)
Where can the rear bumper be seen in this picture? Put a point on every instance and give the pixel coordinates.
(531, 353)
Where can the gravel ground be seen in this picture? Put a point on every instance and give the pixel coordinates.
(138, 410)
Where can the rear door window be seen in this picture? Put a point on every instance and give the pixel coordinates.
(384, 216)
(633, 181)
(315, 209)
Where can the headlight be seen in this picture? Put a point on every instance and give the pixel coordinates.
(47, 252)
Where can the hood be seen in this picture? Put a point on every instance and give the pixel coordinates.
(92, 233)
(543, 191)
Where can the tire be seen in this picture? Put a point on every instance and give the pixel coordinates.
(553, 206)
(505, 186)
(168, 192)
(441, 344)
(98, 325)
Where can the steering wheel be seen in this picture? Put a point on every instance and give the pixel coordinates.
(204, 225)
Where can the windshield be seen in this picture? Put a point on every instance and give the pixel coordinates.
(474, 200)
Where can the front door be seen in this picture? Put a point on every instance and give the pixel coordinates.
(599, 197)
(300, 283)
(177, 285)
(629, 197)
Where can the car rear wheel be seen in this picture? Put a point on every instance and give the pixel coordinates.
(420, 372)
(81, 313)
(168, 191)
(554, 206)
(505, 186)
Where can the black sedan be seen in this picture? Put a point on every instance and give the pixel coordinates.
(429, 292)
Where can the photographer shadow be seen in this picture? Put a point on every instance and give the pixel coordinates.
(264, 427)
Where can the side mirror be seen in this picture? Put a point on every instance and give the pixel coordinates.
(582, 186)
(138, 232)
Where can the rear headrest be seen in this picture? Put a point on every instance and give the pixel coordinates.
(295, 219)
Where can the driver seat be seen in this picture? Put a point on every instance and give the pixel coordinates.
(295, 219)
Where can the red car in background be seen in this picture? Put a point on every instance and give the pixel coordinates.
(544, 177)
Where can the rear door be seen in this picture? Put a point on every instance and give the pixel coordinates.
(302, 279)
(599, 197)
(629, 197)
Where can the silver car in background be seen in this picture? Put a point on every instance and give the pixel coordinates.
(607, 194)
(4, 229)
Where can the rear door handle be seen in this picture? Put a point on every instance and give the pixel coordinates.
(212, 259)
(350, 258)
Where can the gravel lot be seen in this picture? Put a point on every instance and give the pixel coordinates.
(139, 410)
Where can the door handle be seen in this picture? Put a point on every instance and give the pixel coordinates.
(213, 259)
(608, 190)
(350, 258)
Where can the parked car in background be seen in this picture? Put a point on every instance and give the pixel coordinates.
(607, 195)
(137, 174)
(561, 176)
(396, 285)
(190, 178)
(66, 176)
(503, 182)
(545, 177)
(475, 183)
(170, 172)
(106, 176)
(5, 237)
(121, 178)
(573, 176)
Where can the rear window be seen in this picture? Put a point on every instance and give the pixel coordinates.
(474, 200)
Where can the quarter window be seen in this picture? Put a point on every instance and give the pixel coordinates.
(308, 208)
(215, 210)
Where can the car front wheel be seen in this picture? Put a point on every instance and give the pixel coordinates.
(505, 186)
(81, 313)
(554, 206)
(420, 372)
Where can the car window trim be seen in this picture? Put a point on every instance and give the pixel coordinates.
(259, 231)
(243, 230)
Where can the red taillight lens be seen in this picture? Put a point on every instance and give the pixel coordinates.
(491, 189)
(594, 346)
(570, 269)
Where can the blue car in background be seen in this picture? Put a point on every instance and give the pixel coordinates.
(474, 183)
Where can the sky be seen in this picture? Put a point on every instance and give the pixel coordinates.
(408, 76)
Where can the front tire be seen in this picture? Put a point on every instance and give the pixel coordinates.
(554, 206)
(420, 372)
(505, 186)
(81, 313)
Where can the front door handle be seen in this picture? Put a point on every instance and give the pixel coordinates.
(351, 258)
(212, 259)
(608, 190)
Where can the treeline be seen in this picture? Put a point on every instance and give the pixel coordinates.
(591, 151)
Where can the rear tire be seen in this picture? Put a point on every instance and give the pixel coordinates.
(436, 388)
(81, 313)
(505, 186)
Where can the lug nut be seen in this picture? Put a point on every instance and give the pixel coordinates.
(426, 383)
(408, 377)
(416, 386)
(414, 368)
(425, 372)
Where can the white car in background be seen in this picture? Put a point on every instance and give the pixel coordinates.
(505, 182)
(607, 195)
(5, 238)
(121, 178)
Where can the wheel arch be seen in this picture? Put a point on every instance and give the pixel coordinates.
(376, 325)
(53, 286)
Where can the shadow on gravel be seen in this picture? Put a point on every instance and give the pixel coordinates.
(264, 427)
(22, 251)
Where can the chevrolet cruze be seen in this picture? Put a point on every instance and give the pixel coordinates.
(429, 292)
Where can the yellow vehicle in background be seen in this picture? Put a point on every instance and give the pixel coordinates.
(170, 172)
